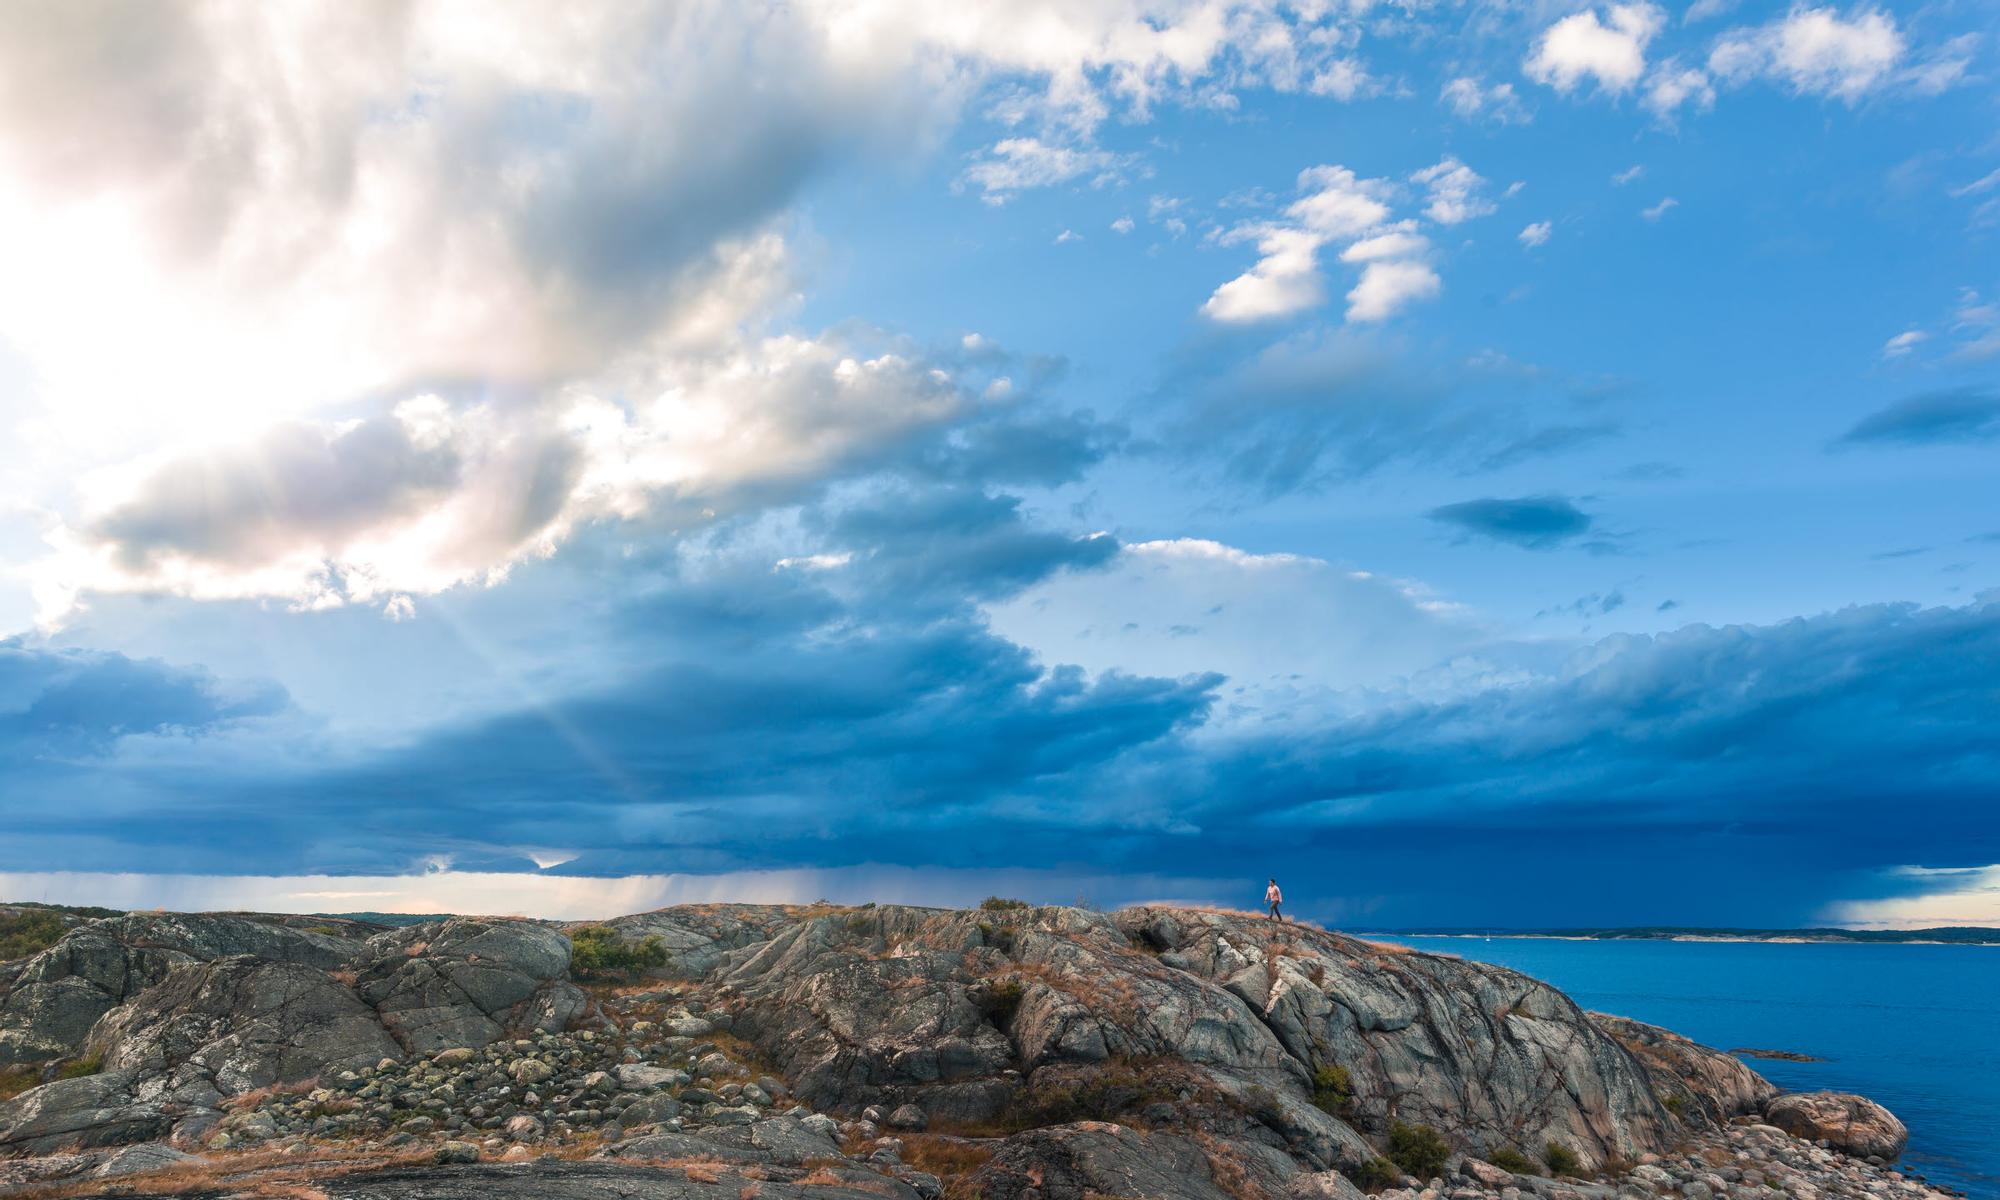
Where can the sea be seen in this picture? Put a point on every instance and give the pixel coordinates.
(1913, 1027)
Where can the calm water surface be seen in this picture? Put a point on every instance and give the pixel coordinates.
(1914, 1027)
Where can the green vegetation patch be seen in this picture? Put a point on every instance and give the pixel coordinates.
(1002, 904)
(1418, 1149)
(1513, 1161)
(1561, 1159)
(596, 951)
(1333, 1090)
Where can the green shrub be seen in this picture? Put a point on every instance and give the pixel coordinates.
(1002, 904)
(1561, 1159)
(1676, 1104)
(1375, 1174)
(1333, 1090)
(77, 1068)
(1509, 1159)
(1418, 1149)
(597, 951)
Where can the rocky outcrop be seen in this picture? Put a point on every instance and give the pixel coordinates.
(1698, 1084)
(467, 982)
(241, 1023)
(1022, 1053)
(58, 995)
(973, 1016)
(1852, 1124)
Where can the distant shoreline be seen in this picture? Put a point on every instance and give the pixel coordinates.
(1971, 936)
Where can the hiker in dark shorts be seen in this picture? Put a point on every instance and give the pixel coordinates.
(1274, 897)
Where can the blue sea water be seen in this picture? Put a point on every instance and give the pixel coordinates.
(1916, 1028)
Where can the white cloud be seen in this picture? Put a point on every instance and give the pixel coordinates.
(1388, 286)
(1471, 97)
(1122, 225)
(1580, 46)
(1903, 343)
(1068, 235)
(1342, 79)
(1335, 204)
(1672, 85)
(1654, 213)
(1628, 174)
(1535, 234)
(1455, 192)
(1814, 51)
(1399, 242)
(1284, 628)
(1015, 164)
(245, 228)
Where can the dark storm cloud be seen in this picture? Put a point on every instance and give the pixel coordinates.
(67, 702)
(1954, 416)
(1536, 522)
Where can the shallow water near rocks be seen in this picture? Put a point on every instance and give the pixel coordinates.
(1914, 1027)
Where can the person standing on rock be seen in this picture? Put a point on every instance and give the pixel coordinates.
(1274, 897)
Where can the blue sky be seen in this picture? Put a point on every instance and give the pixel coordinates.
(1482, 463)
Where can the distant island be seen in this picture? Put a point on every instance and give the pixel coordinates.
(1962, 935)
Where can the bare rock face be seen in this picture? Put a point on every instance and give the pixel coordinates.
(57, 996)
(1853, 1124)
(1091, 1158)
(97, 1110)
(978, 1016)
(241, 1023)
(1704, 1087)
(466, 982)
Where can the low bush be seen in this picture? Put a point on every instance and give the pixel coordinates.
(1099, 1094)
(1333, 1090)
(1002, 904)
(1561, 1159)
(77, 1068)
(1418, 1149)
(597, 951)
(1509, 1159)
(29, 932)
(1375, 1174)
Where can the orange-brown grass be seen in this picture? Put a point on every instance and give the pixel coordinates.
(820, 1177)
(945, 1156)
(345, 977)
(701, 1170)
(257, 1096)
(273, 1174)
(1225, 1165)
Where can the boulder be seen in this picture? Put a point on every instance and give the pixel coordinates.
(467, 982)
(96, 1110)
(1852, 1124)
(147, 1156)
(1322, 1185)
(241, 1023)
(1089, 1159)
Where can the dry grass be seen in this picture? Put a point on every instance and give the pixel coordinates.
(820, 1177)
(701, 1170)
(262, 1095)
(345, 977)
(1225, 1165)
(15, 1080)
(951, 1159)
(268, 1174)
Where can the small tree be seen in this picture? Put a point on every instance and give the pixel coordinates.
(1333, 1090)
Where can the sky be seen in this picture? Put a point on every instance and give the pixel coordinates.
(1480, 463)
